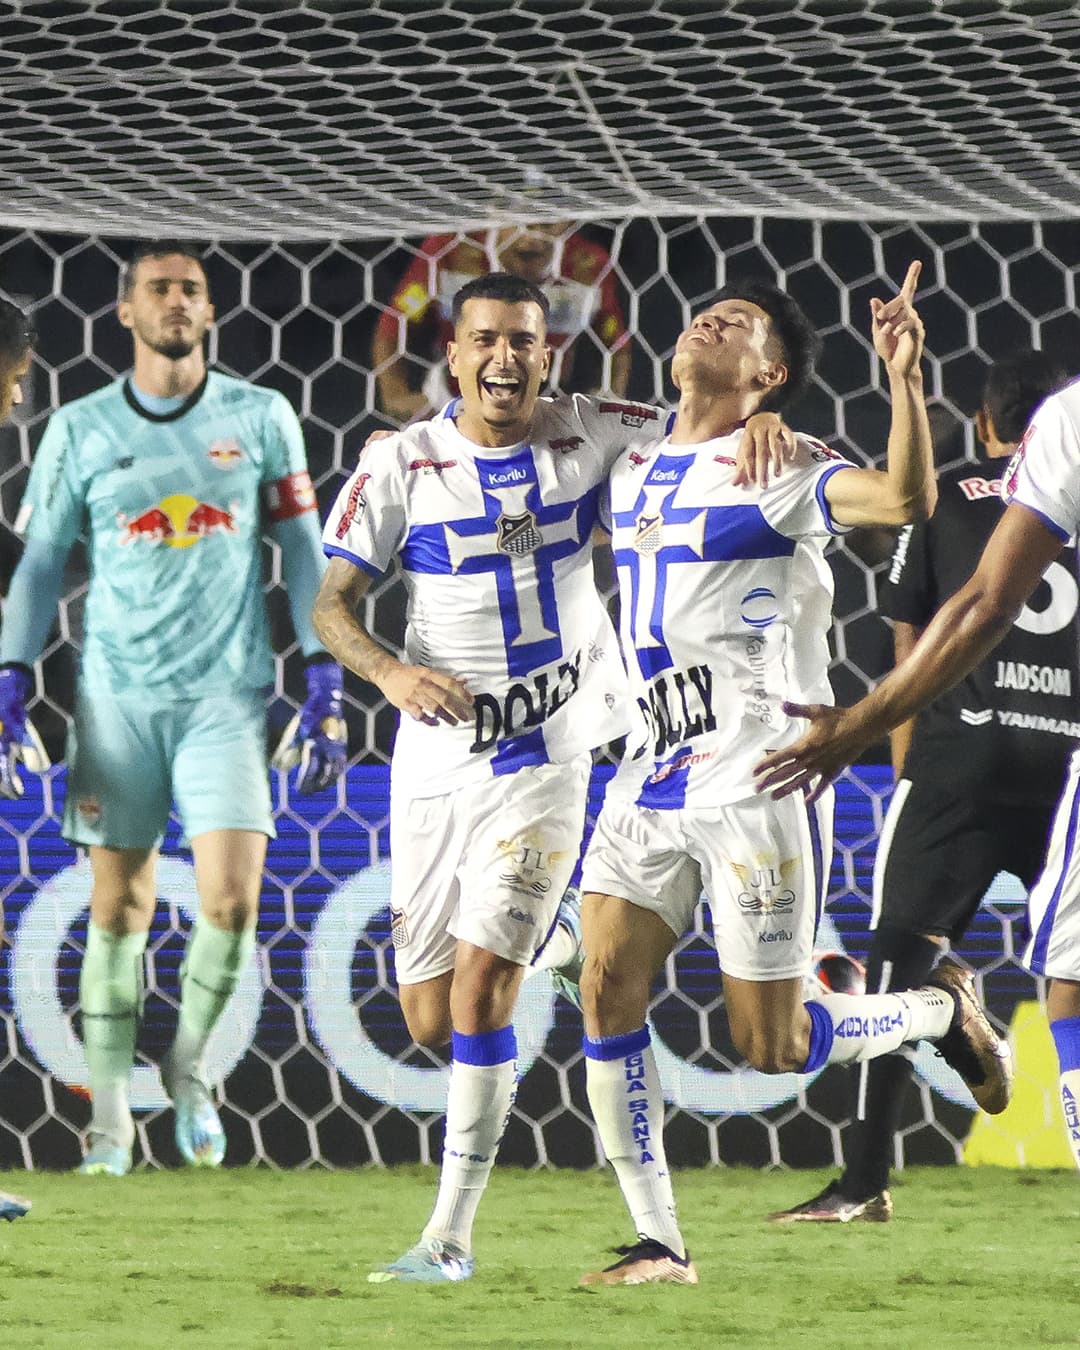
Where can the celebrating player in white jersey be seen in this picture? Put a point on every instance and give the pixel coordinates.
(168, 473)
(16, 349)
(726, 600)
(1042, 489)
(511, 678)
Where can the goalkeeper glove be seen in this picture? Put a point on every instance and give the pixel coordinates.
(18, 739)
(315, 738)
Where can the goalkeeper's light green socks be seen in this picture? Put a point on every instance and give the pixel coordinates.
(110, 994)
(208, 978)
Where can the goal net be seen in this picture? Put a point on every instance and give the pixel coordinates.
(345, 164)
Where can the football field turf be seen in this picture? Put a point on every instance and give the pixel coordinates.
(977, 1257)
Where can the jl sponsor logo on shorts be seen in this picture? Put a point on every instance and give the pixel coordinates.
(767, 891)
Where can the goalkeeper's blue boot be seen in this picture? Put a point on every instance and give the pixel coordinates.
(198, 1130)
(429, 1262)
(567, 978)
(105, 1159)
(13, 1207)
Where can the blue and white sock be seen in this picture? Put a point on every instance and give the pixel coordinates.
(1066, 1034)
(849, 1027)
(628, 1106)
(482, 1087)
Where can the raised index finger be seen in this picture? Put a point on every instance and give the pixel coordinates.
(907, 290)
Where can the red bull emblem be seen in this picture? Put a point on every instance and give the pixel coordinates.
(90, 809)
(354, 507)
(225, 454)
(206, 518)
(178, 521)
(152, 525)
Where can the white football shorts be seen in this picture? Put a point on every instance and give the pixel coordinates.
(762, 864)
(486, 864)
(1053, 948)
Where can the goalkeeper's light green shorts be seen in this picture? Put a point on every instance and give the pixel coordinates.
(129, 759)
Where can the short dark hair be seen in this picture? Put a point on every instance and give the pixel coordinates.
(1016, 385)
(158, 248)
(17, 334)
(502, 286)
(796, 334)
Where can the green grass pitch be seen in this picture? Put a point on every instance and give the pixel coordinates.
(976, 1257)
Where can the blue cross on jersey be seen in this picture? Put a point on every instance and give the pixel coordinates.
(519, 546)
(663, 534)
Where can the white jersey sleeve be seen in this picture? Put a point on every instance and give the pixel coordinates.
(1044, 474)
(794, 504)
(367, 524)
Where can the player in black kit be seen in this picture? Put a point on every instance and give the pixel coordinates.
(978, 773)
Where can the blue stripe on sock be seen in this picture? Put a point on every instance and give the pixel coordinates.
(821, 1037)
(486, 1048)
(1066, 1034)
(616, 1047)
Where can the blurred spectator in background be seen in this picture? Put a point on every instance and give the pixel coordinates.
(575, 273)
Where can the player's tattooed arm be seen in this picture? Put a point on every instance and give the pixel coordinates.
(427, 695)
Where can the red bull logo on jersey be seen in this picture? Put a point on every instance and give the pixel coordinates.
(178, 521)
(226, 453)
(978, 489)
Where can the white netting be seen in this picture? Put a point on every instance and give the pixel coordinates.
(318, 145)
(315, 120)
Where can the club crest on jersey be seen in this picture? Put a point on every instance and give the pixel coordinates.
(518, 535)
(638, 461)
(226, 453)
(568, 443)
(354, 507)
(649, 535)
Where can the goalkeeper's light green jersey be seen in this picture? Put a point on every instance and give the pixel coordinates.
(171, 506)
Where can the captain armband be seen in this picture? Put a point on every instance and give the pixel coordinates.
(289, 496)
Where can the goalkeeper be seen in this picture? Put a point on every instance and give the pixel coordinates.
(168, 473)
